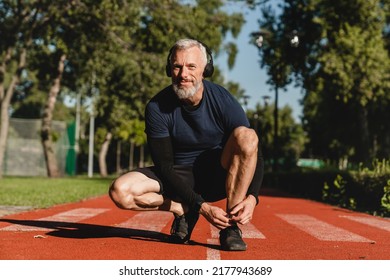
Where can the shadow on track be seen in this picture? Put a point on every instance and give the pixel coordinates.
(86, 231)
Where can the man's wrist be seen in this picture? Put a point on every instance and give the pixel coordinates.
(253, 199)
(198, 204)
(203, 208)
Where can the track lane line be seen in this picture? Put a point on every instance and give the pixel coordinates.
(71, 216)
(148, 220)
(321, 230)
(370, 221)
(213, 254)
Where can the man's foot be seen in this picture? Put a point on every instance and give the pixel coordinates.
(179, 229)
(183, 226)
(230, 239)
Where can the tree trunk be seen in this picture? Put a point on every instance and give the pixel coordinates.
(276, 129)
(3, 69)
(46, 137)
(5, 100)
(364, 147)
(131, 156)
(141, 156)
(118, 158)
(103, 155)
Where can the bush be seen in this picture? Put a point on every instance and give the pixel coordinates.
(362, 190)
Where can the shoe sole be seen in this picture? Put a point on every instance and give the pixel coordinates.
(234, 248)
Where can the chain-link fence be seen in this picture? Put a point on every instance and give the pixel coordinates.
(24, 152)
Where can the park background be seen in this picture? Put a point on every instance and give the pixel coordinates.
(313, 77)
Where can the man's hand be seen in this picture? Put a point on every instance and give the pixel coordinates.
(215, 215)
(242, 213)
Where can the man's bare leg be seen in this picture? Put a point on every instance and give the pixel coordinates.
(135, 191)
(239, 158)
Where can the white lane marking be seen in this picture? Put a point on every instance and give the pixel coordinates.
(370, 221)
(213, 254)
(214, 232)
(321, 230)
(149, 220)
(71, 216)
(250, 231)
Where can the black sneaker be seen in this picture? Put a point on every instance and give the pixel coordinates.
(230, 239)
(183, 226)
(179, 229)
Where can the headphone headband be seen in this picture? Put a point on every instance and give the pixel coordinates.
(208, 70)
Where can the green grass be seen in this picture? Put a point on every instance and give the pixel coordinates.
(45, 192)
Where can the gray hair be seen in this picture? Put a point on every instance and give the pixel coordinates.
(184, 44)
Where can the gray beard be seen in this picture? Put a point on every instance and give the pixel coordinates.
(183, 93)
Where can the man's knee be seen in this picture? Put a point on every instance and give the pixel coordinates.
(120, 194)
(246, 140)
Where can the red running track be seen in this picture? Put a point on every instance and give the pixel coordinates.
(284, 228)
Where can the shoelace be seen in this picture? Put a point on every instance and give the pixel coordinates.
(237, 231)
(232, 231)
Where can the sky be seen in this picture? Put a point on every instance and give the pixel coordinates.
(247, 71)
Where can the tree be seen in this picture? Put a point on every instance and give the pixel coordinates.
(46, 33)
(20, 25)
(343, 66)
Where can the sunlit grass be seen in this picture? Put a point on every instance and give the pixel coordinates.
(44, 192)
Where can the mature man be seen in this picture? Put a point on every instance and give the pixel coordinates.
(203, 151)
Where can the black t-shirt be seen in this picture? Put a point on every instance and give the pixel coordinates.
(196, 130)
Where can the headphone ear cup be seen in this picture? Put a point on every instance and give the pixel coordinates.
(208, 70)
(168, 70)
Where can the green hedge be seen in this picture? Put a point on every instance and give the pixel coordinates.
(362, 191)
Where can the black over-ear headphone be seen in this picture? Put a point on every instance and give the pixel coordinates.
(208, 70)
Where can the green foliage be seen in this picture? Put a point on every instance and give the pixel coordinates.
(379, 168)
(133, 131)
(336, 194)
(352, 82)
(343, 65)
(385, 200)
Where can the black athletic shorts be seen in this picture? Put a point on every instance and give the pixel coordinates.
(206, 175)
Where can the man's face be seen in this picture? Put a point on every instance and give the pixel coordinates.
(187, 72)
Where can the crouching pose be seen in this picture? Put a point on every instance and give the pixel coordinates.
(203, 151)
